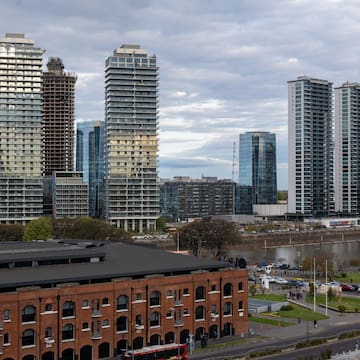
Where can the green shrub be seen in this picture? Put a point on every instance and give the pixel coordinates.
(287, 307)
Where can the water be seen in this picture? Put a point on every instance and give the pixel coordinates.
(339, 253)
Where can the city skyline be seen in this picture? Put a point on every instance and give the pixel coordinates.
(224, 67)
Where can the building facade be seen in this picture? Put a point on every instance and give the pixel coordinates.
(131, 139)
(100, 308)
(257, 170)
(70, 195)
(20, 121)
(184, 198)
(311, 147)
(90, 160)
(347, 149)
(58, 118)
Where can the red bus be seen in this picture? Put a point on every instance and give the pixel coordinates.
(158, 352)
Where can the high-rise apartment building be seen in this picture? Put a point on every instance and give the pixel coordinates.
(310, 133)
(257, 171)
(90, 160)
(183, 198)
(347, 149)
(131, 139)
(21, 129)
(58, 118)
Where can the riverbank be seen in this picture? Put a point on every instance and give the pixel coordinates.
(297, 238)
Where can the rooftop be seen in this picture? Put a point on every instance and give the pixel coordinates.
(106, 261)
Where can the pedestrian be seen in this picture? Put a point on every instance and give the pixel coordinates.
(315, 324)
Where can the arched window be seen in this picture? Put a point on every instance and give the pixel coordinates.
(29, 314)
(227, 308)
(155, 298)
(200, 293)
(200, 313)
(122, 323)
(155, 319)
(67, 332)
(68, 309)
(122, 302)
(228, 289)
(28, 337)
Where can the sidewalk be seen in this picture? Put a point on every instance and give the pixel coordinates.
(268, 335)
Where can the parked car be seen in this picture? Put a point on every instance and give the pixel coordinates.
(346, 287)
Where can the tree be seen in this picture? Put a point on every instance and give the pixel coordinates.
(161, 224)
(39, 229)
(85, 228)
(252, 289)
(11, 232)
(213, 235)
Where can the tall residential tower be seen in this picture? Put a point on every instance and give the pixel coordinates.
(347, 149)
(58, 118)
(310, 132)
(21, 129)
(257, 170)
(131, 139)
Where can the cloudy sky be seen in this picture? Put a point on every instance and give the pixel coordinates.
(224, 65)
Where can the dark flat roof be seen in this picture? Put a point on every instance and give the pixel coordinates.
(121, 260)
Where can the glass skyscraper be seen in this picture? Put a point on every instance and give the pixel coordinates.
(131, 139)
(21, 188)
(90, 160)
(257, 171)
(311, 147)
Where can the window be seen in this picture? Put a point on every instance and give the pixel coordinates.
(48, 307)
(85, 325)
(200, 313)
(68, 309)
(186, 291)
(228, 289)
(169, 293)
(48, 332)
(200, 293)
(105, 301)
(213, 308)
(240, 305)
(186, 312)
(28, 314)
(213, 287)
(138, 320)
(122, 302)
(6, 338)
(6, 315)
(155, 319)
(28, 337)
(85, 304)
(169, 314)
(155, 298)
(138, 296)
(106, 323)
(240, 286)
(67, 332)
(227, 308)
(122, 323)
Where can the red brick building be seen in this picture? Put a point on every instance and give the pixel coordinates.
(85, 301)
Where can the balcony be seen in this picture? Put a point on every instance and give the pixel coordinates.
(95, 313)
(49, 340)
(96, 335)
(214, 315)
(179, 322)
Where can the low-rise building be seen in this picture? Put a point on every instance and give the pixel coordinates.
(93, 300)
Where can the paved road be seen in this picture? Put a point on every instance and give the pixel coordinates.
(268, 336)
